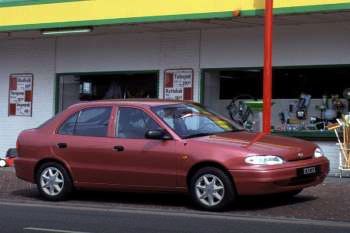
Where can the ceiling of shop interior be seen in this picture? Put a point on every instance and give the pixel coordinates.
(237, 22)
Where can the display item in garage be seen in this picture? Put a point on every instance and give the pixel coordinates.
(346, 95)
(342, 131)
(257, 108)
(302, 106)
(338, 105)
(329, 113)
(316, 123)
(294, 118)
(325, 114)
(241, 113)
(322, 107)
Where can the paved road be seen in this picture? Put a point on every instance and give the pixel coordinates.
(37, 218)
(324, 208)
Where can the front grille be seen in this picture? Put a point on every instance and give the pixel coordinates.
(300, 159)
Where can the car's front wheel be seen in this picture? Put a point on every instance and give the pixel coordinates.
(212, 189)
(53, 181)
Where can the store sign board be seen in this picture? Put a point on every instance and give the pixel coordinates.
(72, 13)
(20, 95)
(178, 84)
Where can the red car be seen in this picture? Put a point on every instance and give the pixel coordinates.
(163, 146)
(8, 161)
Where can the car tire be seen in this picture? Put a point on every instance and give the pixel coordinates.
(212, 189)
(53, 182)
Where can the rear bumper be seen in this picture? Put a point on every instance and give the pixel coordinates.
(25, 169)
(282, 179)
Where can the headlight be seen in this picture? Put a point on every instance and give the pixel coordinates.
(318, 153)
(264, 160)
(2, 163)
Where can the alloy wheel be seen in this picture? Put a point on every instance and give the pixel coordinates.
(52, 181)
(209, 190)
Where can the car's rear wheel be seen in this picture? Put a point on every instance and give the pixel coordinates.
(212, 189)
(53, 181)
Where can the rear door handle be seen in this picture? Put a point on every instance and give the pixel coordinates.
(62, 145)
(118, 148)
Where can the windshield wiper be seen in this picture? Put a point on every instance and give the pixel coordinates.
(237, 130)
(198, 135)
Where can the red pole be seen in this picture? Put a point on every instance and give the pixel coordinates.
(267, 82)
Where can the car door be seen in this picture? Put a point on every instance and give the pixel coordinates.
(83, 141)
(139, 161)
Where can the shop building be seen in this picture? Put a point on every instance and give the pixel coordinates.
(127, 51)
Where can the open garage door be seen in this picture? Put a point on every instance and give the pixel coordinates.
(305, 98)
(87, 87)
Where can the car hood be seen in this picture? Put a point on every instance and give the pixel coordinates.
(264, 144)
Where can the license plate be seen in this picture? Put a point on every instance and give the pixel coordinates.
(308, 171)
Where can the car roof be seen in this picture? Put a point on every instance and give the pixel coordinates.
(134, 102)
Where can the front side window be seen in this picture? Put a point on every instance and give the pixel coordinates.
(91, 122)
(134, 123)
(190, 120)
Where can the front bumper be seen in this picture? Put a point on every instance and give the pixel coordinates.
(280, 179)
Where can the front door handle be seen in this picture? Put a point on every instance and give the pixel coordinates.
(118, 148)
(62, 145)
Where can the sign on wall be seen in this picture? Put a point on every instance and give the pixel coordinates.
(178, 84)
(20, 95)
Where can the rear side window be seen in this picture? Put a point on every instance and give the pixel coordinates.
(93, 122)
(68, 126)
(89, 122)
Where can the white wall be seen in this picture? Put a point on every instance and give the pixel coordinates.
(26, 56)
(124, 52)
(310, 44)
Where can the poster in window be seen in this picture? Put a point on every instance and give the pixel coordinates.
(20, 95)
(178, 84)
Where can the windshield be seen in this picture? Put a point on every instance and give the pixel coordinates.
(192, 120)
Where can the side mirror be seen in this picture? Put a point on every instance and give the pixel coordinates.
(158, 134)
